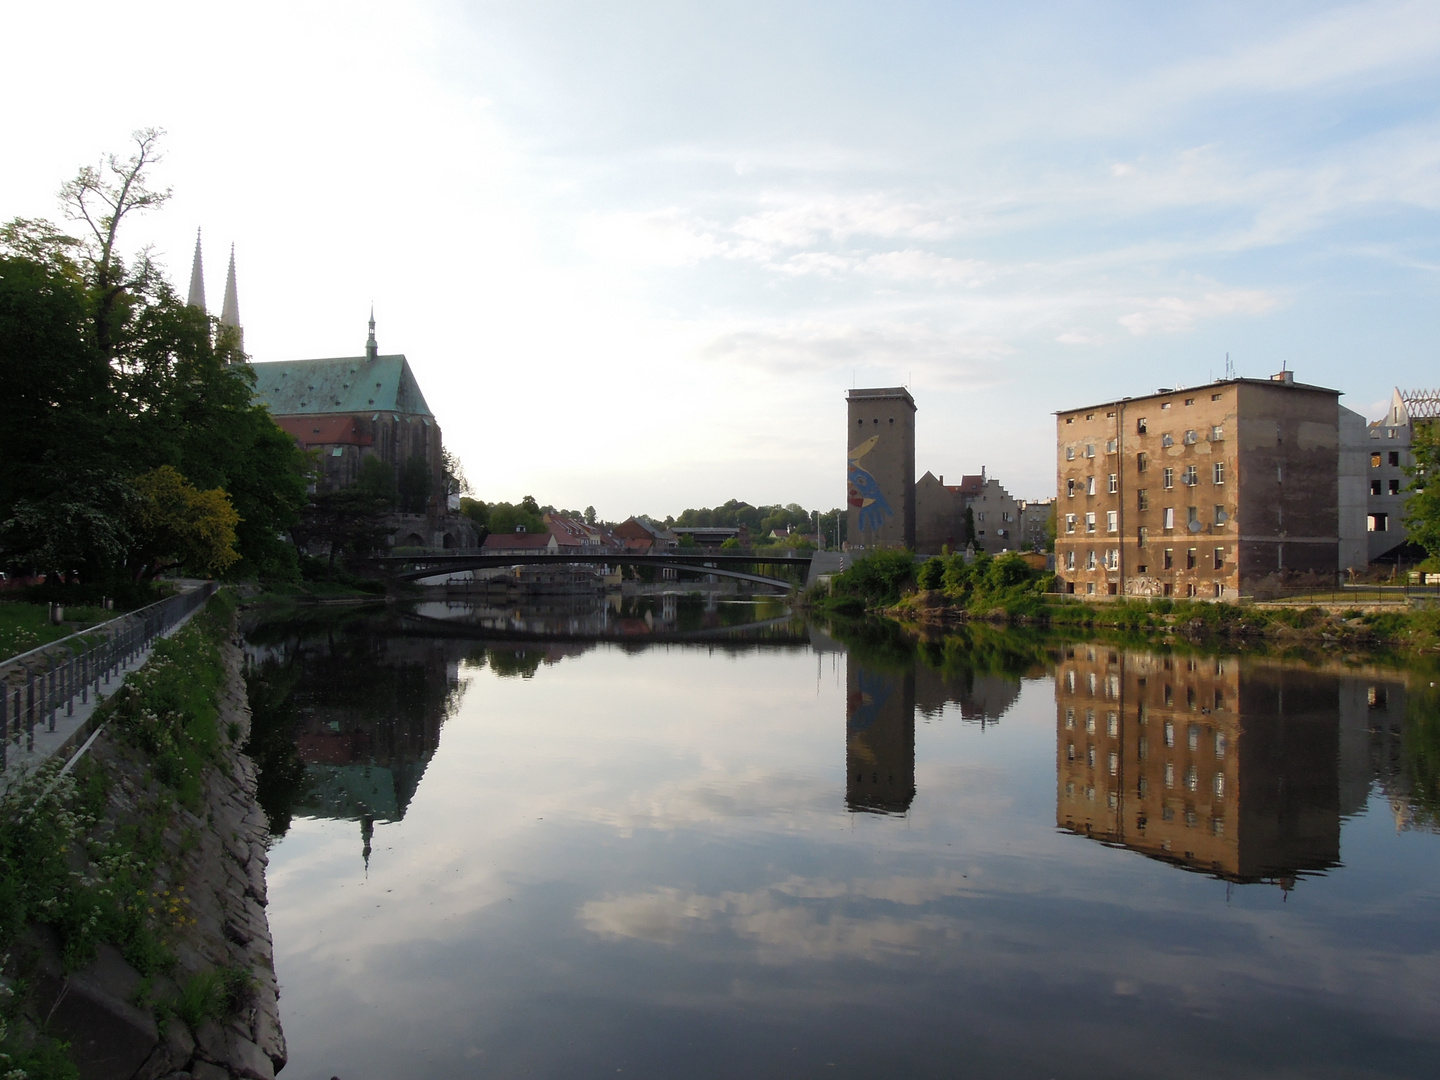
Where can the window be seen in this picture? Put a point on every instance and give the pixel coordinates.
(1114, 484)
(1069, 453)
(1069, 523)
(1069, 419)
(1374, 487)
(1375, 460)
(1220, 515)
(1395, 458)
(1169, 565)
(1070, 488)
(1378, 523)
(1214, 397)
(1190, 559)
(1217, 472)
(980, 516)
(1070, 565)
(1192, 519)
(1169, 481)
(1394, 487)
(1090, 588)
(1090, 522)
(1217, 433)
(1114, 564)
(1190, 437)
(1142, 499)
(1089, 416)
(1390, 433)
(1167, 439)
(1219, 558)
(1143, 538)
(1140, 426)
(1169, 522)
(1111, 446)
(1192, 737)
(1111, 414)
(1090, 559)
(1164, 404)
(1112, 521)
(1142, 462)
(1090, 485)
(1190, 477)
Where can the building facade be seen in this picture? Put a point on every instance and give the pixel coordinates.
(978, 511)
(880, 468)
(1034, 516)
(1216, 492)
(1388, 457)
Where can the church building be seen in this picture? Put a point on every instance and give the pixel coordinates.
(349, 408)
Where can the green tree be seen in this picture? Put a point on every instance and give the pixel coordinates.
(177, 524)
(377, 478)
(348, 521)
(101, 197)
(113, 376)
(1422, 509)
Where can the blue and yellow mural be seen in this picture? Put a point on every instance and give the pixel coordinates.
(864, 490)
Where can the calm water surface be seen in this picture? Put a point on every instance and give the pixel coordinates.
(676, 851)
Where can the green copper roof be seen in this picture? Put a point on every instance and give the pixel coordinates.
(343, 384)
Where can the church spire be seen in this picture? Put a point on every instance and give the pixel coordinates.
(197, 279)
(230, 312)
(372, 350)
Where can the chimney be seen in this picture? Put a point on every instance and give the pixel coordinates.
(1286, 377)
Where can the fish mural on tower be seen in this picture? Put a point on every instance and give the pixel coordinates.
(864, 490)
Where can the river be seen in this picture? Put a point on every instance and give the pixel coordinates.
(672, 839)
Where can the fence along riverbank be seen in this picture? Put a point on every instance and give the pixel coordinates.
(73, 675)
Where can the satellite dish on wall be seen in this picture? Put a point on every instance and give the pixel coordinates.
(1196, 525)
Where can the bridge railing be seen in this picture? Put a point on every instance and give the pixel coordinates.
(36, 685)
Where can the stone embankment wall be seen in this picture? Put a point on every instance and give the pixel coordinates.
(215, 884)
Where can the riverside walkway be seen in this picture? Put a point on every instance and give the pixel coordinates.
(49, 695)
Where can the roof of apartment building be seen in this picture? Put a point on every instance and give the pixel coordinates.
(1282, 380)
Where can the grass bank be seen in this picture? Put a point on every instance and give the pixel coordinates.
(90, 858)
(948, 591)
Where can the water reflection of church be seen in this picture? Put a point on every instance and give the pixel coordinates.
(365, 711)
(1240, 768)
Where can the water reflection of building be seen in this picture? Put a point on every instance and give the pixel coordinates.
(365, 713)
(879, 738)
(979, 698)
(1212, 764)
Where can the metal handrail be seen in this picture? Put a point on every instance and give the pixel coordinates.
(43, 689)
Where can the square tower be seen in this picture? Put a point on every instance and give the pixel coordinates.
(880, 468)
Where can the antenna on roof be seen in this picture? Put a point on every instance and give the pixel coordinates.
(1229, 367)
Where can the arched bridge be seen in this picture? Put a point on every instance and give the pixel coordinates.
(417, 565)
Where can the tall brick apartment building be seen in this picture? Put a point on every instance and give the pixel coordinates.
(1216, 492)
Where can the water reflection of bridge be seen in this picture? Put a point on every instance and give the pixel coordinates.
(740, 565)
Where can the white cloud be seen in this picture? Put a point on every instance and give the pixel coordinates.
(1175, 315)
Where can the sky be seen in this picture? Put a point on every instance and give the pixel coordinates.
(636, 252)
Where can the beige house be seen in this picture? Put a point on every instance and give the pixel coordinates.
(941, 521)
(1220, 491)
